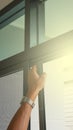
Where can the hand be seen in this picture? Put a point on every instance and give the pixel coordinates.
(35, 82)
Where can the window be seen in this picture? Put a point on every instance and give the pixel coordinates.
(59, 94)
(12, 39)
(68, 95)
(44, 23)
(58, 17)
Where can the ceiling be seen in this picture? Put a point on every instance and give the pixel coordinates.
(4, 3)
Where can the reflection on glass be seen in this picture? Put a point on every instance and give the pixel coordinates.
(59, 94)
(58, 17)
(12, 39)
(11, 92)
(35, 117)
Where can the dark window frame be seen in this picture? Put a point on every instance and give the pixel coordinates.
(11, 12)
(51, 49)
(47, 51)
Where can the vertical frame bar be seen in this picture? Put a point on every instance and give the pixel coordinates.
(25, 85)
(27, 45)
(27, 25)
(39, 26)
(33, 24)
(37, 23)
(40, 22)
(40, 15)
(42, 117)
(37, 12)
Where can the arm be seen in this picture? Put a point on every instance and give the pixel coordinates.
(35, 84)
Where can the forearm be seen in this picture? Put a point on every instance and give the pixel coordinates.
(21, 119)
(35, 84)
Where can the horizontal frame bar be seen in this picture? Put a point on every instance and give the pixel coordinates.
(10, 7)
(11, 12)
(52, 49)
(12, 18)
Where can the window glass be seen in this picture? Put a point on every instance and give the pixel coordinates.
(58, 17)
(59, 94)
(12, 39)
(11, 92)
(35, 117)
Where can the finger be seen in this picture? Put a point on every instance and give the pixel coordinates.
(34, 69)
(42, 79)
(32, 73)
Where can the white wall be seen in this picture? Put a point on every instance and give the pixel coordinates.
(11, 92)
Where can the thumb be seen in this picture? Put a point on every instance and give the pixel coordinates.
(42, 80)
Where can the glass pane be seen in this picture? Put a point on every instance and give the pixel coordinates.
(12, 39)
(58, 17)
(35, 117)
(11, 92)
(59, 84)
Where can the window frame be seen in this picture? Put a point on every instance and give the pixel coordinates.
(51, 49)
(11, 12)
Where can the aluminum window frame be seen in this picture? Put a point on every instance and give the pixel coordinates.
(51, 49)
(11, 12)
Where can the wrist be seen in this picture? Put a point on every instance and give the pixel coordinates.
(32, 95)
(27, 100)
